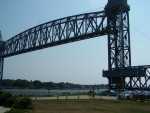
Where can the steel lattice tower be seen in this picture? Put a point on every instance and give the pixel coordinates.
(119, 53)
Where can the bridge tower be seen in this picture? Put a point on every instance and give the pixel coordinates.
(1, 58)
(119, 53)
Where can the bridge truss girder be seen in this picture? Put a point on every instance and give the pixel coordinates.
(129, 78)
(139, 82)
(57, 32)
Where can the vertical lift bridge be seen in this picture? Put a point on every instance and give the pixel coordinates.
(113, 21)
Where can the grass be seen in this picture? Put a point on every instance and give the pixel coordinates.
(18, 111)
(89, 106)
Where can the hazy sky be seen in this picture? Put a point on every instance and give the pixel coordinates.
(79, 62)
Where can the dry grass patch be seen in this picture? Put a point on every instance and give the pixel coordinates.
(90, 106)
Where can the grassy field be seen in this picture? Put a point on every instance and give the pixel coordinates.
(90, 106)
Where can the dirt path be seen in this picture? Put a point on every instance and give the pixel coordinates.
(3, 110)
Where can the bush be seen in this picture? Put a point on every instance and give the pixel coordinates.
(1, 92)
(3, 97)
(23, 103)
(9, 102)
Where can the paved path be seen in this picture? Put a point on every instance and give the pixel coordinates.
(3, 110)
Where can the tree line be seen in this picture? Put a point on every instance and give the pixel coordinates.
(36, 84)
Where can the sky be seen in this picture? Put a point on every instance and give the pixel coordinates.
(79, 62)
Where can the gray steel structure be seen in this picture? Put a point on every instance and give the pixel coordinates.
(113, 22)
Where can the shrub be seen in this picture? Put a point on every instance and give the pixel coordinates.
(9, 102)
(3, 97)
(23, 103)
(1, 92)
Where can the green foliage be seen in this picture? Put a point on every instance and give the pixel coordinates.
(4, 97)
(10, 101)
(45, 85)
(23, 103)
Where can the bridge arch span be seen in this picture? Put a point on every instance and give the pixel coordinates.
(57, 32)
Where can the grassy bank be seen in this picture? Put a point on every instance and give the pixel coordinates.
(18, 111)
(90, 106)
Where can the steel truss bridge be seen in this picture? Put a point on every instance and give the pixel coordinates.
(113, 21)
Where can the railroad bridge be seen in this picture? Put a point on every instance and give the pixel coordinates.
(113, 21)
